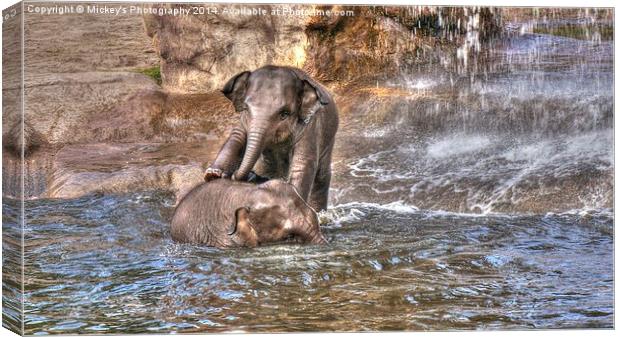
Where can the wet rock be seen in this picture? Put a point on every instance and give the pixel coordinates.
(78, 170)
(89, 43)
(155, 115)
(119, 107)
(381, 42)
(32, 169)
(368, 42)
(212, 48)
(61, 107)
(88, 105)
(178, 179)
(68, 84)
(21, 137)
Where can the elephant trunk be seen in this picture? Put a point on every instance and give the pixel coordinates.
(253, 150)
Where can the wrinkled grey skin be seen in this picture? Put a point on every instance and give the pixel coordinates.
(225, 213)
(287, 130)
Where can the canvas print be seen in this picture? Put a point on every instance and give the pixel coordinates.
(234, 167)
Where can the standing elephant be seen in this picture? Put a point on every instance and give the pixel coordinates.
(287, 129)
(225, 213)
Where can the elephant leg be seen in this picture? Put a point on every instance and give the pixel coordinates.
(320, 189)
(304, 165)
(301, 176)
(229, 157)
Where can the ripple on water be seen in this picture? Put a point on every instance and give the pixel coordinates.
(390, 265)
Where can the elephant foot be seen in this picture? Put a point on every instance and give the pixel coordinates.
(213, 173)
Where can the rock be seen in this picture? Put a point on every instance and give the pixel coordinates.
(213, 48)
(11, 82)
(68, 84)
(119, 107)
(78, 170)
(361, 42)
(88, 108)
(34, 169)
(21, 136)
(61, 107)
(90, 43)
(164, 117)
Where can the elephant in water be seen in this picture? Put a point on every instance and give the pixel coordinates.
(225, 213)
(287, 129)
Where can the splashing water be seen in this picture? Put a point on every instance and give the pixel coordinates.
(457, 145)
(114, 268)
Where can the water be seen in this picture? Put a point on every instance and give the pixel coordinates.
(107, 264)
(461, 200)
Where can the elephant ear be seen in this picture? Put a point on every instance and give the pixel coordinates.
(320, 92)
(244, 233)
(234, 89)
(314, 96)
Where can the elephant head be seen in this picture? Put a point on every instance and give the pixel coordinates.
(276, 103)
(275, 212)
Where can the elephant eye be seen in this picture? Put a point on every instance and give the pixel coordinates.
(284, 114)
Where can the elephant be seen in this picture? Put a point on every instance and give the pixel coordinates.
(287, 128)
(225, 213)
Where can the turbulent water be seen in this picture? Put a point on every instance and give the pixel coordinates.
(478, 200)
(107, 264)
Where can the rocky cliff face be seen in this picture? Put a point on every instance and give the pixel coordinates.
(69, 84)
(358, 42)
(213, 47)
(90, 89)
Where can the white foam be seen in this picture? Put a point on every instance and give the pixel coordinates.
(355, 211)
(456, 145)
(505, 168)
(396, 206)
